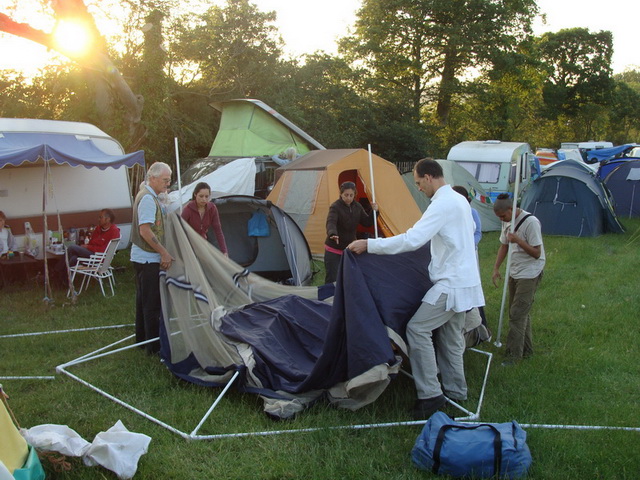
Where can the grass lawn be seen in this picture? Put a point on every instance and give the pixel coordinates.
(584, 373)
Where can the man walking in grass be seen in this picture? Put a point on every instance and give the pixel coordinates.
(525, 273)
(453, 270)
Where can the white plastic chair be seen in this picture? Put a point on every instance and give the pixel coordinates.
(97, 266)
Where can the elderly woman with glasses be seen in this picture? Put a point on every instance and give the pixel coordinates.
(345, 214)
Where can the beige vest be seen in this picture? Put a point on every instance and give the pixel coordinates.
(157, 227)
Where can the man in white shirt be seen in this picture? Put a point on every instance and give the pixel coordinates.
(456, 288)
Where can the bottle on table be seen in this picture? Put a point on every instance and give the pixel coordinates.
(30, 241)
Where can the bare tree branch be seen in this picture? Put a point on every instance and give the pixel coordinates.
(114, 85)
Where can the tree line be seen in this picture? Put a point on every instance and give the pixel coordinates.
(412, 78)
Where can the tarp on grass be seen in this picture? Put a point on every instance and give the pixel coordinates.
(290, 346)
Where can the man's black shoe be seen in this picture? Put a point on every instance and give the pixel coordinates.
(424, 408)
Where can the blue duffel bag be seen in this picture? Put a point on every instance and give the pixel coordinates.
(447, 447)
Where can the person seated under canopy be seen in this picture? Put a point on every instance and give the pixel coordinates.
(100, 238)
(7, 240)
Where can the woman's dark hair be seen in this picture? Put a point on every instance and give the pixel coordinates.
(200, 186)
(462, 191)
(428, 166)
(347, 186)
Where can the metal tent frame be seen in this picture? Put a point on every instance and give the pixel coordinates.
(194, 435)
(471, 416)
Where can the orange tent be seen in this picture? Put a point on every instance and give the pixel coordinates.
(306, 187)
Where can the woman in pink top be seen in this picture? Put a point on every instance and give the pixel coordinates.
(201, 214)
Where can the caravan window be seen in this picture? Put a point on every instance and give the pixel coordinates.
(485, 172)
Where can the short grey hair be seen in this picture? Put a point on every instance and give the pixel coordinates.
(157, 169)
(290, 153)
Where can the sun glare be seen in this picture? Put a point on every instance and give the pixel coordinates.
(72, 38)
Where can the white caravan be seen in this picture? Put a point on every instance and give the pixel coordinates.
(69, 170)
(591, 145)
(493, 163)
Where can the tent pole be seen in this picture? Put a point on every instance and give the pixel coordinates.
(74, 294)
(215, 403)
(175, 141)
(507, 272)
(373, 193)
(47, 287)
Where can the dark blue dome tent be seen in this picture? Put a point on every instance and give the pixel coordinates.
(624, 183)
(608, 164)
(569, 199)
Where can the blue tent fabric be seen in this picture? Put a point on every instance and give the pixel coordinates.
(609, 166)
(602, 154)
(18, 148)
(286, 335)
(569, 199)
(624, 183)
(302, 345)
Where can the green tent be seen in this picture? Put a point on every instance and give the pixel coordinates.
(250, 128)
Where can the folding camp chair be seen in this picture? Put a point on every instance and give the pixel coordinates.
(97, 266)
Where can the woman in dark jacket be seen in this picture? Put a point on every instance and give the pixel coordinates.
(345, 214)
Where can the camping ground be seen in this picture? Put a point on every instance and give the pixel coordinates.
(584, 373)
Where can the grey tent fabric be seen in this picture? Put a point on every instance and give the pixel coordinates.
(454, 174)
(280, 252)
(569, 199)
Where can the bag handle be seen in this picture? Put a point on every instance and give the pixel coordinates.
(522, 221)
(497, 445)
